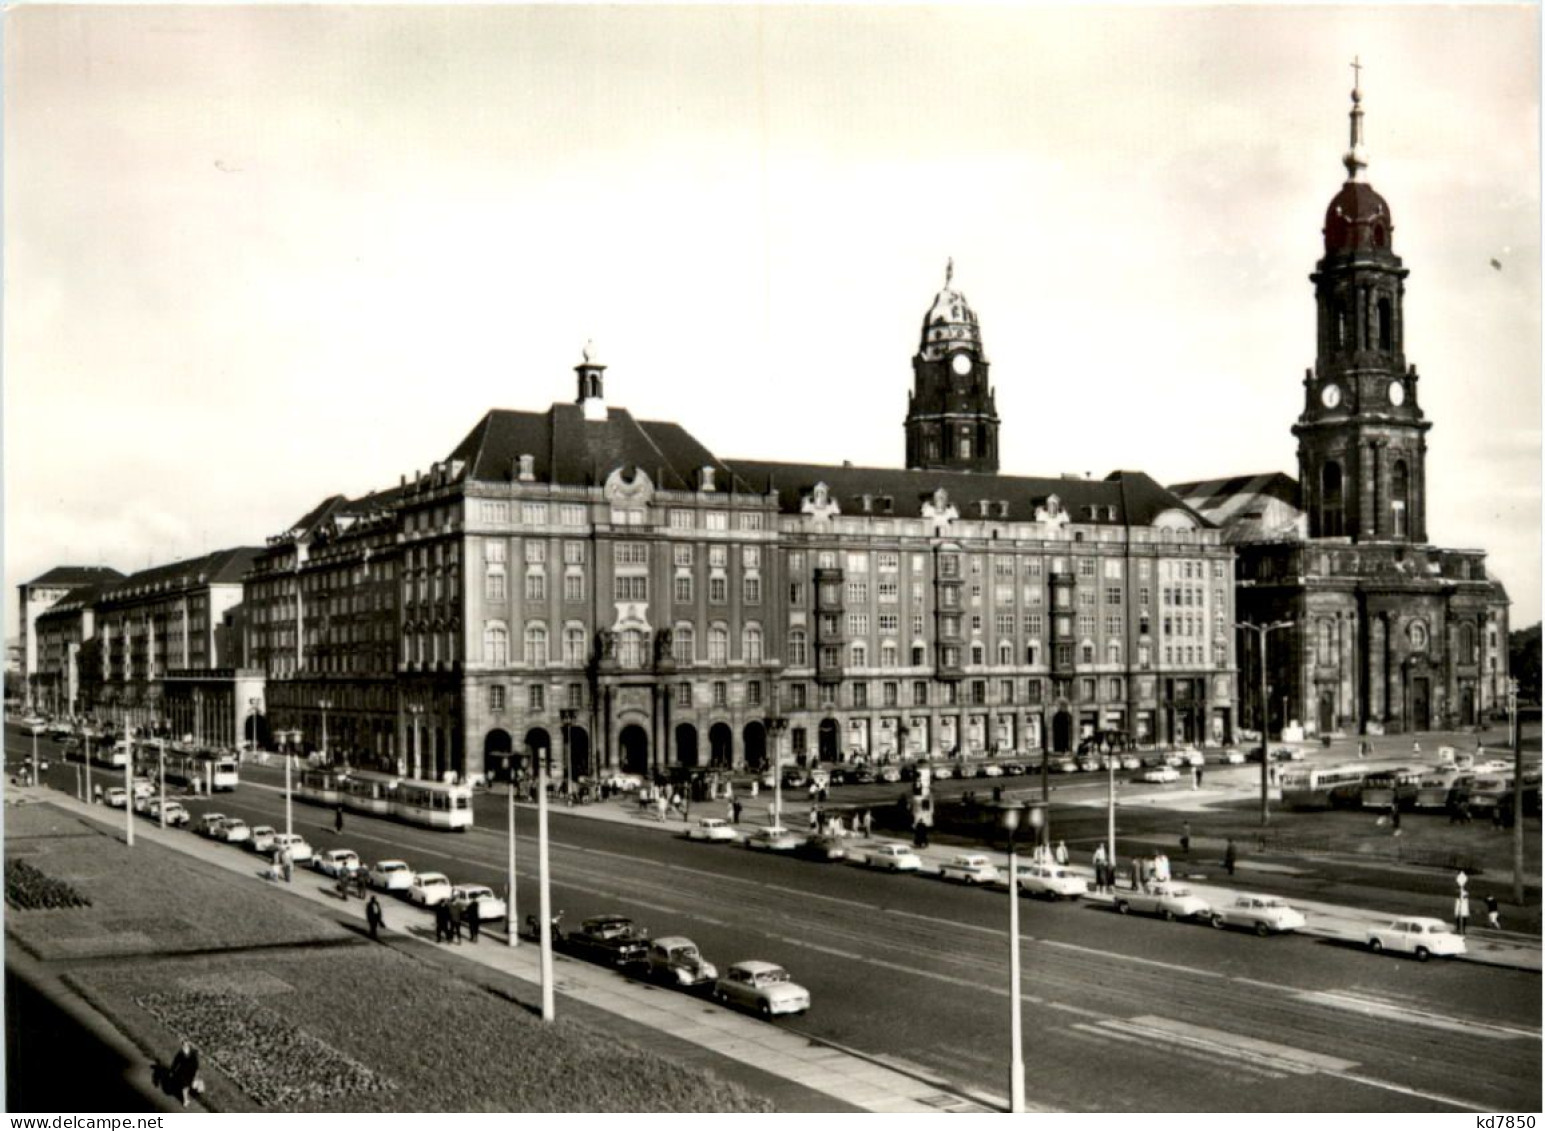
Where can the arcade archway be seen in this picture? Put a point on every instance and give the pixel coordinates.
(497, 748)
(826, 739)
(634, 744)
(754, 739)
(721, 746)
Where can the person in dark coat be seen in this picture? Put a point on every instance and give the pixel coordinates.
(184, 1075)
(373, 916)
(1230, 856)
(452, 923)
(338, 819)
(442, 923)
(469, 915)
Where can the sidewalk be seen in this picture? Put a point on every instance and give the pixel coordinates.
(844, 1078)
(1203, 873)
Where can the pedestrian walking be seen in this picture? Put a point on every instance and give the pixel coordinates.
(1137, 873)
(442, 923)
(1196, 778)
(1230, 856)
(1461, 913)
(1394, 819)
(1062, 852)
(1199, 773)
(1493, 919)
(868, 822)
(470, 916)
(735, 810)
(373, 916)
(287, 864)
(1185, 838)
(338, 819)
(815, 819)
(453, 922)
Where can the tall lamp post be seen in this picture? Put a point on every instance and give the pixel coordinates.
(1010, 817)
(1518, 795)
(776, 725)
(544, 892)
(254, 704)
(326, 705)
(417, 711)
(161, 774)
(511, 920)
(289, 738)
(1262, 631)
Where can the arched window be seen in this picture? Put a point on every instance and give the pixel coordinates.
(496, 644)
(799, 650)
(684, 644)
(1330, 500)
(630, 648)
(1418, 636)
(573, 646)
(536, 645)
(718, 645)
(751, 644)
(1399, 486)
(1386, 324)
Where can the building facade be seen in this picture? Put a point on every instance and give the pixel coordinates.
(1388, 633)
(34, 599)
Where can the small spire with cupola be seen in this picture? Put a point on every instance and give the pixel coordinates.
(591, 399)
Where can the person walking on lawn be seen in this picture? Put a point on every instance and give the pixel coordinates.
(1493, 920)
(1230, 856)
(373, 917)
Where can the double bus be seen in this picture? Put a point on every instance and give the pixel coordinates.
(1435, 788)
(210, 771)
(1398, 787)
(1314, 787)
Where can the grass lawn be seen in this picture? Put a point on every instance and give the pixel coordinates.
(172, 903)
(368, 1029)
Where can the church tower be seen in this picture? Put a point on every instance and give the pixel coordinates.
(1361, 437)
(952, 422)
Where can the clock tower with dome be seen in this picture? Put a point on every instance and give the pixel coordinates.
(952, 420)
(1362, 436)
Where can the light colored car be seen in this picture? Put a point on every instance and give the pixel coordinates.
(429, 889)
(969, 868)
(300, 851)
(1418, 936)
(1131, 762)
(890, 775)
(262, 838)
(1287, 754)
(144, 788)
(676, 961)
(176, 814)
(1064, 766)
(1052, 881)
(1192, 757)
(116, 797)
(1160, 774)
(1231, 758)
(1089, 764)
(390, 875)
(942, 772)
(992, 770)
(336, 862)
(233, 830)
(209, 824)
(1175, 758)
(772, 838)
(712, 828)
(893, 858)
(624, 783)
(489, 905)
(1167, 900)
(763, 986)
(1262, 914)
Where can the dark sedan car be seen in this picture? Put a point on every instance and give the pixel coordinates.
(612, 940)
(823, 848)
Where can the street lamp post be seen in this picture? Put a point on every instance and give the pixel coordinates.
(544, 892)
(416, 710)
(511, 919)
(128, 788)
(161, 774)
(1009, 817)
(1262, 631)
(254, 704)
(326, 705)
(289, 738)
(775, 727)
(1518, 795)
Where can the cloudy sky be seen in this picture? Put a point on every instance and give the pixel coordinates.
(255, 257)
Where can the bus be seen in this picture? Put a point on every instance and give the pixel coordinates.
(1435, 788)
(433, 804)
(1383, 788)
(211, 771)
(1314, 787)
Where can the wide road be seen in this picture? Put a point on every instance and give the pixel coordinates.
(1121, 1013)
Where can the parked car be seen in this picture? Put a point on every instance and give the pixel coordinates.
(762, 986)
(1262, 914)
(676, 961)
(208, 823)
(1286, 754)
(1159, 775)
(819, 846)
(176, 814)
(1089, 764)
(624, 783)
(429, 889)
(1167, 900)
(1192, 757)
(793, 777)
(613, 940)
(262, 839)
(942, 772)
(712, 828)
(336, 862)
(894, 858)
(390, 875)
(862, 775)
(300, 851)
(116, 797)
(992, 770)
(1131, 762)
(489, 905)
(1418, 936)
(1013, 769)
(890, 775)
(1052, 881)
(772, 838)
(233, 830)
(1231, 758)
(969, 868)
(1064, 766)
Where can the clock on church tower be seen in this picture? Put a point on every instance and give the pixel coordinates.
(952, 421)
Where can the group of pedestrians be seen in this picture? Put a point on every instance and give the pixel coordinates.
(449, 923)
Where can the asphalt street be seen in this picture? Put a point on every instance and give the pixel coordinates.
(1121, 1013)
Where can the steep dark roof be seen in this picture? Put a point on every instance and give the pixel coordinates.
(1209, 495)
(339, 506)
(1137, 499)
(219, 568)
(75, 600)
(75, 575)
(567, 449)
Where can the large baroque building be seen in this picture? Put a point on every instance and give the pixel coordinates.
(606, 588)
(1385, 632)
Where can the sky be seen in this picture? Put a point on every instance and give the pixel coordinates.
(255, 257)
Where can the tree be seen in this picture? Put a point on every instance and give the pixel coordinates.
(1523, 657)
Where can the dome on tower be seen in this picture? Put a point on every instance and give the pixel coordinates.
(1358, 219)
(950, 322)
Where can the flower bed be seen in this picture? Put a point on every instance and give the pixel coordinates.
(29, 889)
